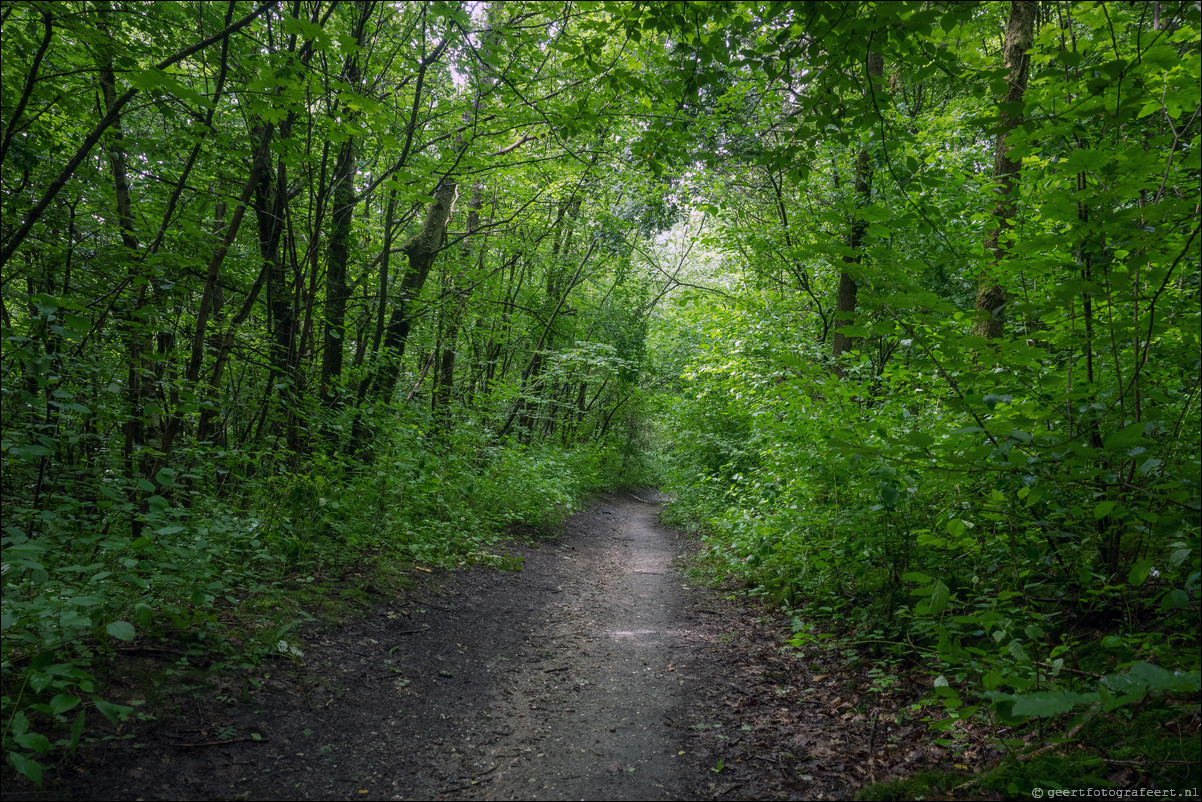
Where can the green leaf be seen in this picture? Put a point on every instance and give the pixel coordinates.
(1125, 684)
(294, 25)
(113, 712)
(121, 630)
(147, 79)
(26, 767)
(1102, 509)
(1069, 58)
(939, 598)
(1139, 572)
(1124, 438)
(42, 661)
(1158, 679)
(1175, 599)
(33, 452)
(1049, 703)
(1087, 160)
(77, 730)
(35, 741)
(62, 702)
(1020, 435)
(1161, 57)
(46, 305)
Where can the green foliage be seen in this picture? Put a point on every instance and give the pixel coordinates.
(82, 585)
(924, 785)
(207, 406)
(1021, 516)
(203, 423)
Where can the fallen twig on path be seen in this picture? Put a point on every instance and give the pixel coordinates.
(259, 740)
(153, 650)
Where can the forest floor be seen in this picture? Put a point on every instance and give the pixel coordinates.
(597, 671)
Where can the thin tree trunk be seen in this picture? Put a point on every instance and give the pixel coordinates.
(991, 295)
(445, 378)
(420, 251)
(226, 348)
(565, 227)
(530, 376)
(137, 387)
(845, 302)
(358, 429)
(342, 215)
(337, 289)
(270, 200)
(208, 298)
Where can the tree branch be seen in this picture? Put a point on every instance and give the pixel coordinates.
(111, 117)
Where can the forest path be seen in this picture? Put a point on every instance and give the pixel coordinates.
(595, 672)
(598, 668)
(576, 677)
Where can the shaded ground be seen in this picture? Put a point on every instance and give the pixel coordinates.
(595, 672)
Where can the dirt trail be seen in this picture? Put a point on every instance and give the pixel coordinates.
(595, 672)
(599, 671)
(564, 680)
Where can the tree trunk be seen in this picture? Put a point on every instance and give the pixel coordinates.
(845, 303)
(531, 376)
(208, 301)
(337, 289)
(271, 196)
(991, 295)
(137, 388)
(358, 430)
(420, 251)
(456, 298)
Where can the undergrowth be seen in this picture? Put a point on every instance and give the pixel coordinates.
(224, 557)
(1047, 587)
